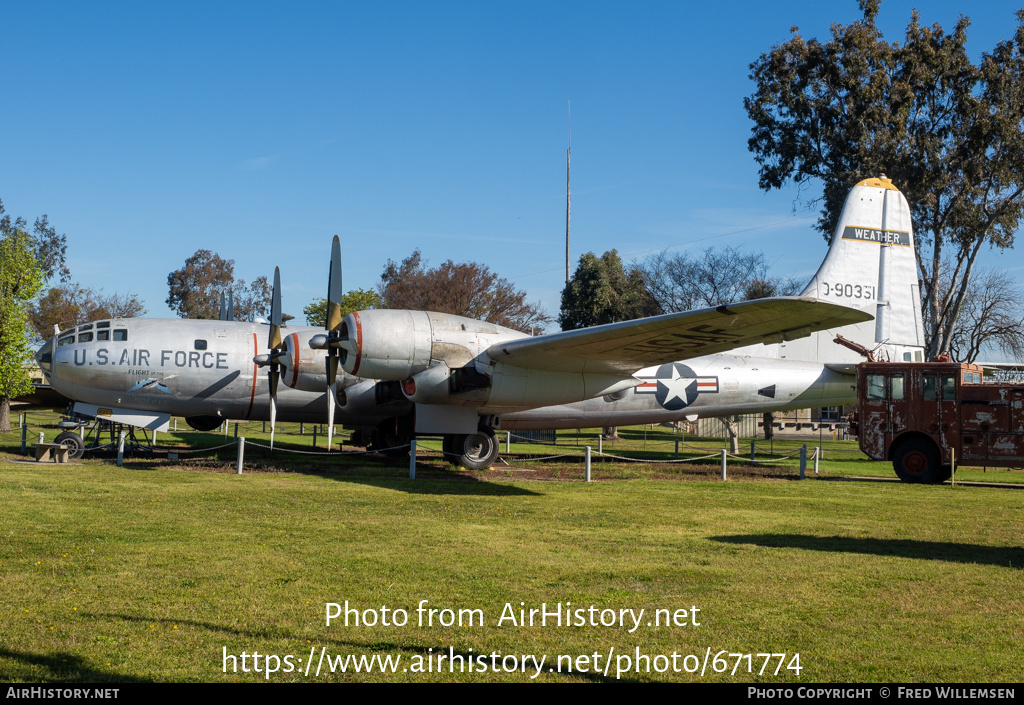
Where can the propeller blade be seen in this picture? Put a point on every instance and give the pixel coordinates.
(334, 292)
(273, 418)
(275, 312)
(276, 345)
(332, 369)
(330, 415)
(231, 306)
(221, 316)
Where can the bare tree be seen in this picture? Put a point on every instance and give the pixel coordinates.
(992, 317)
(67, 305)
(469, 289)
(681, 281)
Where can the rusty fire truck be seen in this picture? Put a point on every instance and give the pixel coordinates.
(924, 416)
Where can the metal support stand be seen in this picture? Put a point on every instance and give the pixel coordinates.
(412, 459)
(588, 464)
(724, 461)
(803, 461)
(120, 449)
(24, 431)
(241, 455)
(508, 442)
(817, 456)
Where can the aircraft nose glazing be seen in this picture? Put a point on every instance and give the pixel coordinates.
(44, 356)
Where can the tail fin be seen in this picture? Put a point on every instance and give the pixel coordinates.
(870, 266)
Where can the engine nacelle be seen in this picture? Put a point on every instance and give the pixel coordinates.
(303, 367)
(396, 344)
(372, 400)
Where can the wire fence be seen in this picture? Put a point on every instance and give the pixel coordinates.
(642, 446)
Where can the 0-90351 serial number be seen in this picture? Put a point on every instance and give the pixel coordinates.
(848, 291)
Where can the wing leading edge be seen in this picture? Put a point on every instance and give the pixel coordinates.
(625, 347)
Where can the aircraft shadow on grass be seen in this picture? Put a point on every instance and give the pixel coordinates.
(431, 478)
(67, 668)
(336, 647)
(1005, 556)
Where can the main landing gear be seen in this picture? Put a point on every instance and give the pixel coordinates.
(474, 451)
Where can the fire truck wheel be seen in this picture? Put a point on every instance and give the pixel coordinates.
(917, 460)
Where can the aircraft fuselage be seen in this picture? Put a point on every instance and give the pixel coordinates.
(714, 385)
(184, 368)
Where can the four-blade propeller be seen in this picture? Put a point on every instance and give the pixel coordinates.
(330, 341)
(277, 351)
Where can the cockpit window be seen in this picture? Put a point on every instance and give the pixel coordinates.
(103, 335)
(103, 324)
(120, 334)
(200, 345)
(85, 337)
(67, 340)
(85, 326)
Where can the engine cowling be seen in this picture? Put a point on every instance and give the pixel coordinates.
(303, 367)
(396, 344)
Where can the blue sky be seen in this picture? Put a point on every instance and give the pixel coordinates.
(258, 130)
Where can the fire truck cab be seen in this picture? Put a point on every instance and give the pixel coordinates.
(923, 416)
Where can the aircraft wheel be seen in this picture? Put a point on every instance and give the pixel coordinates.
(393, 446)
(477, 451)
(917, 460)
(448, 444)
(73, 442)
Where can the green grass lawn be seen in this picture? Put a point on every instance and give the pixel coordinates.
(149, 572)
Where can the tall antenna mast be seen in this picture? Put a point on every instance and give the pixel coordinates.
(568, 195)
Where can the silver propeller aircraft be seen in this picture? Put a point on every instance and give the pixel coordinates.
(416, 372)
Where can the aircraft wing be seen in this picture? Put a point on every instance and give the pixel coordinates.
(624, 348)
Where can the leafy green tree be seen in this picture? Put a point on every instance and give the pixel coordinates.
(948, 132)
(602, 290)
(27, 260)
(355, 300)
(21, 278)
(194, 290)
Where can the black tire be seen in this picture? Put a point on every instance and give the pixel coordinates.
(73, 442)
(395, 446)
(448, 444)
(917, 460)
(477, 451)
